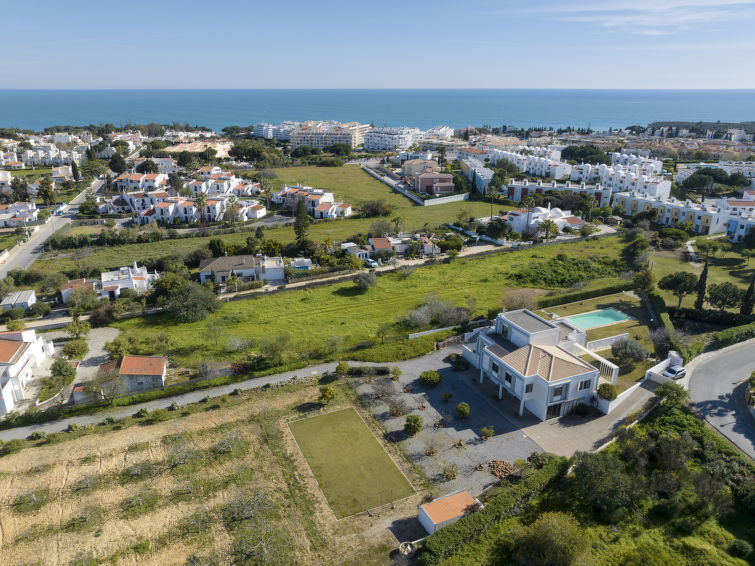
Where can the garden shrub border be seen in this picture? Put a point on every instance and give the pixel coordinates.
(561, 299)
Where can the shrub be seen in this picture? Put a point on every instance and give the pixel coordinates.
(342, 368)
(413, 424)
(734, 335)
(61, 368)
(365, 280)
(581, 409)
(564, 298)
(327, 394)
(14, 325)
(740, 548)
(37, 435)
(430, 378)
(141, 413)
(629, 349)
(108, 421)
(554, 538)
(487, 431)
(447, 396)
(14, 313)
(607, 391)
(75, 349)
(73, 427)
(450, 472)
(397, 407)
(463, 410)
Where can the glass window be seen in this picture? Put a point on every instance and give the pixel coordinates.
(557, 391)
(585, 384)
(507, 379)
(494, 368)
(528, 388)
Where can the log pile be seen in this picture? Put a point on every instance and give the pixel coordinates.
(501, 468)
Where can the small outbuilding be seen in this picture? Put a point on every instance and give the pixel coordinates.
(446, 510)
(23, 299)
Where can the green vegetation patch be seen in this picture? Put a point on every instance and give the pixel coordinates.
(353, 470)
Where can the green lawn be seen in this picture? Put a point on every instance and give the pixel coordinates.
(352, 469)
(31, 174)
(311, 316)
(727, 266)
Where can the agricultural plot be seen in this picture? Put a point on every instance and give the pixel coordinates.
(353, 470)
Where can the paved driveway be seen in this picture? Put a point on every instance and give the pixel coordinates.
(716, 387)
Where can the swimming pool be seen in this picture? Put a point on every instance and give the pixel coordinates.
(597, 318)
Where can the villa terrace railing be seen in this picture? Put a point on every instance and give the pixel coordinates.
(604, 343)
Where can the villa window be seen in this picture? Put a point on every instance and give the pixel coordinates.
(528, 388)
(494, 368)
(507, 379)
(585, 384)
(558, 392)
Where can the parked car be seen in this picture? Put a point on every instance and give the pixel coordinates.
(370, 262)
(675, 372)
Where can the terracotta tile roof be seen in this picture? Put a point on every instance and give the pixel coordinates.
(449, 507)
(110, 288)
(381, 243)
(142, 365)
(573, 220)
(73, 284)
(324, 206)
(10, 350)
(258, 207)
(344, 205)
(163, 204)
(740, 203)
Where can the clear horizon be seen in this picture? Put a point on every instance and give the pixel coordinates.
(241, 45)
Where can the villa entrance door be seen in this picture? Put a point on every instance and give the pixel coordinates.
(553, 411)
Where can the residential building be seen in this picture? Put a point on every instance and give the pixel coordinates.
(356, 250)
(15, 299)
(479, 175)
(324, 134)
(531, 360)
(519, 190)
(413, 167)
(737, 227)
(68, 289)
(18, 214)
(528, 221)
(129, 374)
(135, 278)
(709, 217)
(20, 352)
(263, 130)
(245, 267)
(389, 139)
(5, 179)
(434, 183)
(534, 160)
(61, 174)
(318, 202)
(165, 165)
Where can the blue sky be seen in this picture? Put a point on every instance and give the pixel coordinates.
(390, 44)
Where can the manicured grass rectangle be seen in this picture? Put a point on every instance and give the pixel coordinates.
(352, 469)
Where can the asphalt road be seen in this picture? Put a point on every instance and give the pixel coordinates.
(23, 256)
(716, 387)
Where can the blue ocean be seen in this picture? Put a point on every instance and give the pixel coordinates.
(599, 109)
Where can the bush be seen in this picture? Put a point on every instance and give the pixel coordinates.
(734, 335)
(73, 427)
(564, 298)
(75, 349)
(342, 368)
(40, 309)
(15, 325)
(413, 424)
(365, 280)
(37, 435)
(452, 538)
(740, 548)
(14, 314)
(607, 391)
(430, 378)
(487, 431)
(554, 538)
(581, 409)
(463, 410)
(447, 396)
(62, 368)
(141, 413)
(629, 349)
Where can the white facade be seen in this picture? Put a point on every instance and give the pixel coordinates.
(20, 353)
(18, 214)
(22, 299)
(389, 139)
(135, 278)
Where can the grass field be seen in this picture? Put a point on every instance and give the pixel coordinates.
(311, 316)
(31, 174)
(352, 479)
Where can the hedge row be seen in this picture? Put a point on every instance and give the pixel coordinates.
(553, 300)
(450, 539)
(688, 353)
(712, 316)
(734, 335)
(659, 306)
(362, 371)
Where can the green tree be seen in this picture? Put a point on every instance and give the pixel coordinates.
(147, 166)
(89, 206)
(680, 283)
(192, 302)
(383, 330)
(78, 328)
(602, 481)
(301, 223)
(702, 287)
(554, 539)
(117, 163)
(200, 201)
(19, 189)
(75, 171)
(217, 247)
(327, 394)
(493, 194)
(549, 228)
(47, 191)
(365, 280)
(628, 349)
(748, 301)
(644, 282)
(724, 295)
(413, 424)
(62, 369)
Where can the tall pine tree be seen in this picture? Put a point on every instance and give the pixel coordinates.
(749, 299)
(301, 223)
(75, 171)
(702, 287)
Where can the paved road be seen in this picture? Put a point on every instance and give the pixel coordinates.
(716, 387)
(413, 367)
(24, 255)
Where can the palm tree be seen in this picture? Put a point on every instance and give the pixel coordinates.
(397, 222)
(493, 193)
(529, 204)
(200, 201)
(548, 227)
(233, 279)
(327, 243)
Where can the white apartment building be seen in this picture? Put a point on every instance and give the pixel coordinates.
(438, 132)
(18, 214)
(622, 178)
(533, 160)
(519, 190)
(706, 218)
(263, 130)
(165, 165)
(645, 164)
(389, 139)
(475, 171)
(324, 134)
(20, 353)
(315, 201)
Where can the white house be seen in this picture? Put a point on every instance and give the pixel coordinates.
(528, 221)
(245, 267)
(18, 214)
(129, 373)
(20, 353)
(23, 299)
(136, 278)
(529, 358)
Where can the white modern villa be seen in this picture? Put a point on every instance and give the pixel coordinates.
(536, 362)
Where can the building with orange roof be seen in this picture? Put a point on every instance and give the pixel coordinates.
(129, 374)
(446, 510)
(20, 353)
